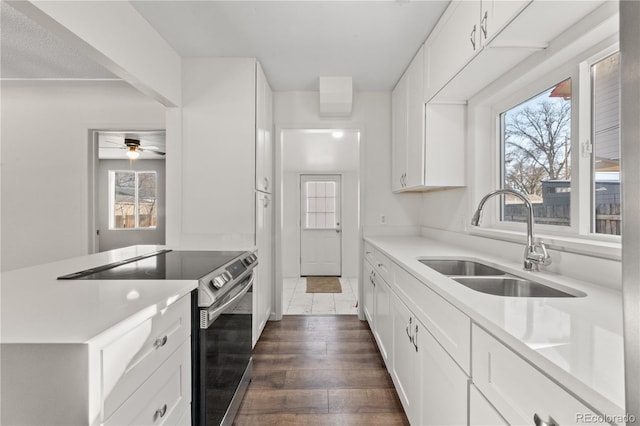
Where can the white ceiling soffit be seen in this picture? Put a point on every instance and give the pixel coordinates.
(298, 41)
(320, 151)
(111, 144)
(29, 51)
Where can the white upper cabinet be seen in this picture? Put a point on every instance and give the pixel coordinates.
(495, 15)
(454, 41)
(415, 122)
(428, 140)
(264, 133)
(475, 42)
(399, 135)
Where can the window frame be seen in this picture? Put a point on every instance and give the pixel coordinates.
(581, 230)
(111, 204)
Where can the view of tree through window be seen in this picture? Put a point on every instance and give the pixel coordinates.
(133, 199)
(536, 137)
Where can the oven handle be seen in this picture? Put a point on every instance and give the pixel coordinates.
(215, 313)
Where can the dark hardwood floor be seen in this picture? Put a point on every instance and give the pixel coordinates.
(319, 370)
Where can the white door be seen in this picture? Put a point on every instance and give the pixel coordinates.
(320, 225)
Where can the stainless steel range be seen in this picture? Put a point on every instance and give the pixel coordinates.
(221, 320)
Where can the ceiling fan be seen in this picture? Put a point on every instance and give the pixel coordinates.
(133, 147)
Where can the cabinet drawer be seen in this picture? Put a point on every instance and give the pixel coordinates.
(369, 252)
(381, 263)
(518, 390)
(132, 358)
(450, 327)
(163, 398)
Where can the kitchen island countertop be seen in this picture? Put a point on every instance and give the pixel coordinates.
(36, 307)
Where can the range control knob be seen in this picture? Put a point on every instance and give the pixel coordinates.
(250, 259)
(218, 281)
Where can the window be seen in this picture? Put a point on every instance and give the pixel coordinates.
(605, 177)
(320, 203)
(560, 145)
(536, 146)
(132, 201)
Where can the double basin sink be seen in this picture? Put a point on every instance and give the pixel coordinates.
(490, 280)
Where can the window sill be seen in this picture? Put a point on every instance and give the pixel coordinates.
(584, 246)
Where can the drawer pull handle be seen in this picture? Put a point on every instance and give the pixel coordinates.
(160, 342)
(539, 422)
(160, 412)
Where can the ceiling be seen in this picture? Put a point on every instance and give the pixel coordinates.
(296, 41)
(319, 151)
(29, 51)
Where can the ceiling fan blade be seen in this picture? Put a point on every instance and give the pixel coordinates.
(113, 147)
(158, 152)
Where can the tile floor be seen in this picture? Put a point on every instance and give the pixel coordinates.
(296, 300)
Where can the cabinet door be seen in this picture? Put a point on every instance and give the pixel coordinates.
(444, 385)
(405, 360)
(415, 122)
(518, 390)
(264, 137)
(481, 413)
(453, 45)
(263, 285)
(497, 14)
(383, 320)
(368, 294)
(399, 134)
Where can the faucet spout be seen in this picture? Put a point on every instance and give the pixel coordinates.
(532, 257)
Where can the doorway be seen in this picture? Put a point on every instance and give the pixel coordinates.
(318, 221)
(320, 233)
(129, 189)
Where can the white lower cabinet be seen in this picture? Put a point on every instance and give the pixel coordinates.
(443, 396)
(130, 359)
(367, 296)
(481, 412)
(519, 391)
(163, 397)
(383, 331)
(405, 359)
(263, 284)
(431, 386)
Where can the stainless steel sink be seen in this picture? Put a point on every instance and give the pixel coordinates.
(456, 267)
(510, 286)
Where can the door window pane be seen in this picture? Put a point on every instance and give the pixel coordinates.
(320, 204)
(605, 96)
(536, 147)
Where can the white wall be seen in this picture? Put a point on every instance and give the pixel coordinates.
(45, 161)
(372, 116)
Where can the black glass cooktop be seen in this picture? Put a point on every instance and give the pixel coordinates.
(168, 265)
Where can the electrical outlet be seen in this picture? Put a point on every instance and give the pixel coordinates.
(383, 219)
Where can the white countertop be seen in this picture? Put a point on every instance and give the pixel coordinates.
(38, 308)
(577, 341)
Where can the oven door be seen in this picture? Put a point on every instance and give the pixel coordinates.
(225, 355)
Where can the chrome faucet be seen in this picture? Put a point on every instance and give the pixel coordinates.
(532, 257)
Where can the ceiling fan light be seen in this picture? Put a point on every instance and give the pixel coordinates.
(132, 153)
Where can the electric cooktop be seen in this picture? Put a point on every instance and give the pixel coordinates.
(163, 265)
